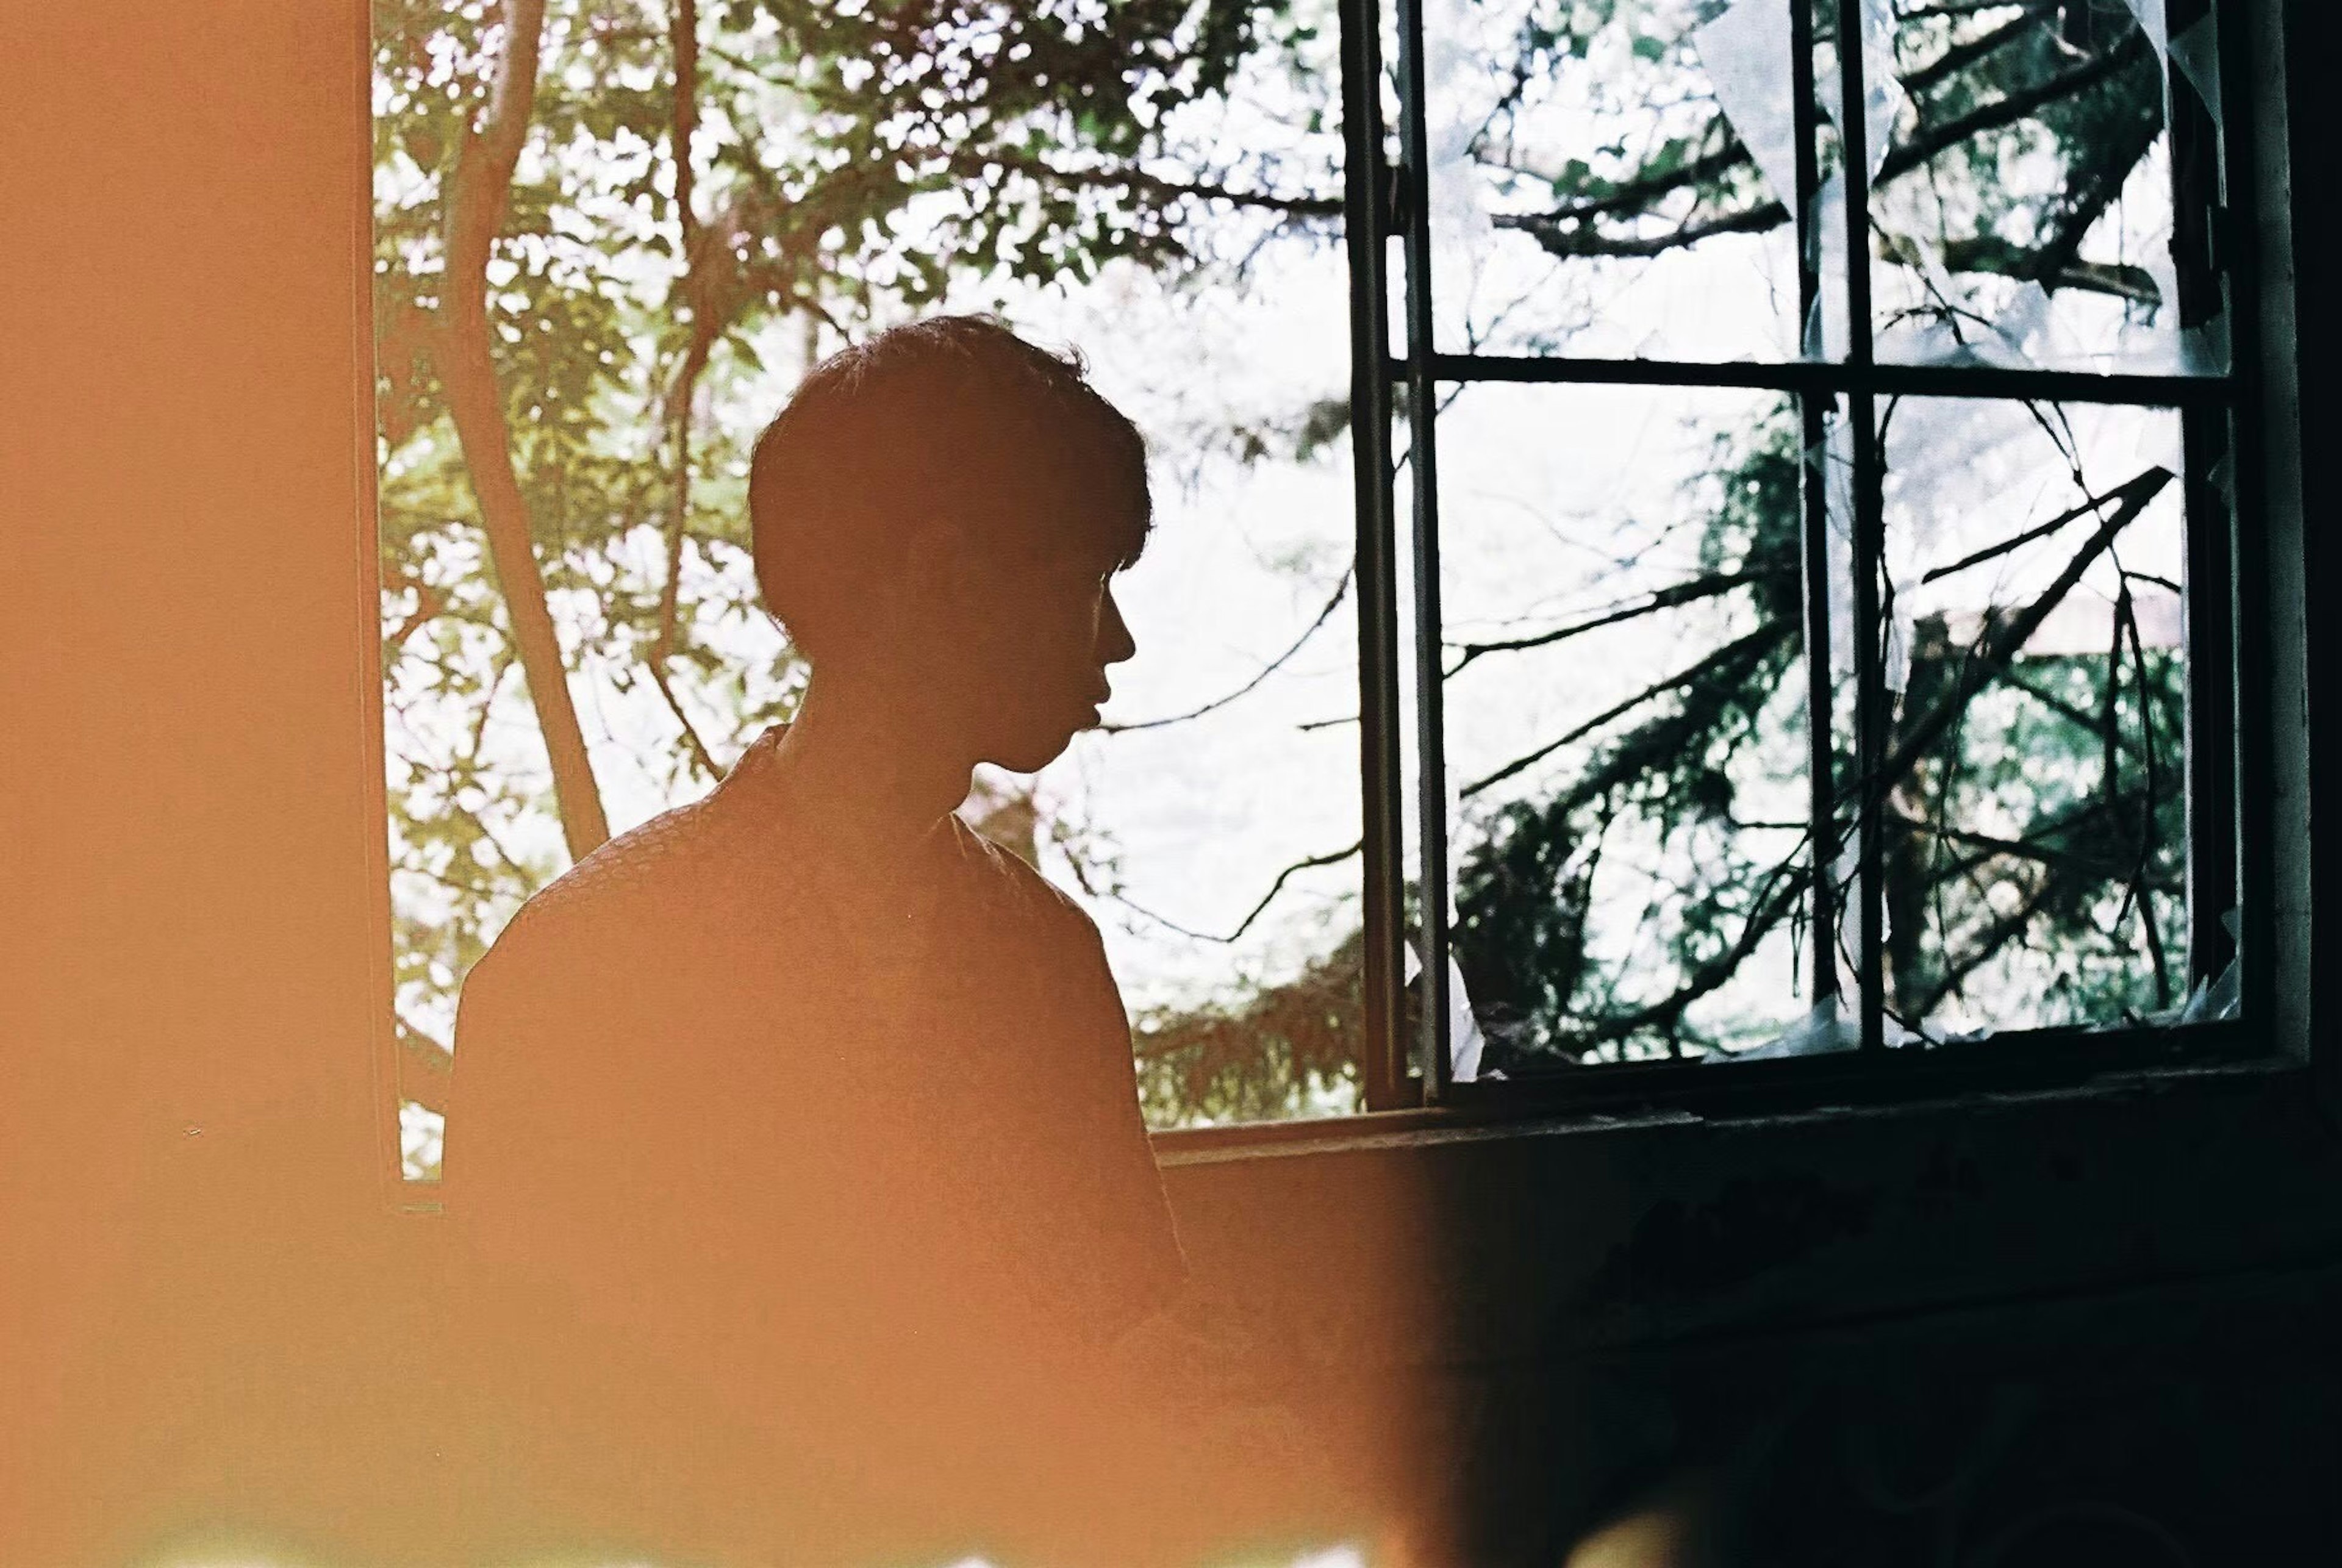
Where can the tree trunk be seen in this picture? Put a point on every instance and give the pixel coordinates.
(476, 193)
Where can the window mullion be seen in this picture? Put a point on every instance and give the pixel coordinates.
(2245, 520)
(1382, 839)
(1869, 692)
(1814, 537)
(1431, 898)
(2211, 752)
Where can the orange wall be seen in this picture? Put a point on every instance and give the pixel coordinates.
(191, 912)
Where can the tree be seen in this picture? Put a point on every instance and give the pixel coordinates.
(608, 232)
(585, 209)
(2036, 838)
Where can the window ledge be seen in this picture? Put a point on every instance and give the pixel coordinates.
(1375, 1132)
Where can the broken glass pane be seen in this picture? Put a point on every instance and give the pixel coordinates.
(1613, 180)
(1624, 719)
(2034, 844)
(2029, 212)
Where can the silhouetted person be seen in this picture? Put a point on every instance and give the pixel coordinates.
(796, 1137)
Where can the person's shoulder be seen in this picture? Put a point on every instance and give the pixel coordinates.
(1025, 886)
(636, 867)
(622, 900)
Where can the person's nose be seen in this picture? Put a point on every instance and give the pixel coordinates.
(1115, 642)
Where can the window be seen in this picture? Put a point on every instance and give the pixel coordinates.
(1768, 686)
(1548, 449)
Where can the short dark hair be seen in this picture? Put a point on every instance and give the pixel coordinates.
(955, 419)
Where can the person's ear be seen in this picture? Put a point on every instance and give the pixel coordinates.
(935, 566)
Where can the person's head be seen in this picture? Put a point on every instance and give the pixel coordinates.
(937, 513)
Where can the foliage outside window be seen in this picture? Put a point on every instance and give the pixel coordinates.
(609, 233)
(1814, 655)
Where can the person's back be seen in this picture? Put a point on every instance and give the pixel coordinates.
(795, 1146)
(890, 1094)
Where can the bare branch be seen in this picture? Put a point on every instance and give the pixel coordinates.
(1341, 590)
(2004, 930)
(2094, 504)
(2054, 703)
(2002, 645)
(1639, 192)
(684, 43)
(1741, 648)
(1663, 599)
(1776, 897)
(1137, 181)
(2056, 266)
(427, 606)
(1334, 857)
(1589, 241)
(700, 755)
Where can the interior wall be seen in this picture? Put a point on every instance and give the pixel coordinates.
(191, 936)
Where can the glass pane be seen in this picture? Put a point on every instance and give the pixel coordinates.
(1625, 719)
(1182, 229)
(2029, 211)
(2036, 852)
(1612, 179)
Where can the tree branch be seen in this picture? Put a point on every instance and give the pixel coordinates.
(971, 163)
(1334, 857)
(2002, 645)
(1588, 242)
(477, 190)
(427, 606)
(1774, 901)
(2056, 266)
(1739, 649)
(1663, 599)
(2096, 504)
(1998, 935)
(1960, 56)
(1640, 191)
(1562, 233)
(2052, 266)
(426, 1067)
(1341, 590)
(2010, 107)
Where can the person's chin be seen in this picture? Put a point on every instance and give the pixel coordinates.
(1044, 744)
(1033, 756)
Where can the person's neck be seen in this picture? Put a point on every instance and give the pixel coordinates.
(859, 753)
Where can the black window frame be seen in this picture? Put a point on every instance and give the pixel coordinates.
(2230, 851)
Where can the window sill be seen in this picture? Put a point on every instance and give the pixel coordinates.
(1787, 1095)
